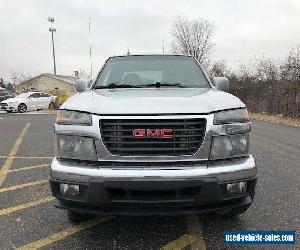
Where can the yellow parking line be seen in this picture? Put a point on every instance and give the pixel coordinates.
(181, 242)
(63, 234)
(32, 157)
(194, 229)
(9, 210)
(3, 190)
(27, 168)
(9, 160)
(194, 237)
(26, 157)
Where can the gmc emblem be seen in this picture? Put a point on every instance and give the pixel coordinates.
(165, 133)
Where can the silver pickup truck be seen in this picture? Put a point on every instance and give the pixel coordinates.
(153, 135)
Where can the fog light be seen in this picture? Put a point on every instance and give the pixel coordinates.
(239, 187)
(69, 189)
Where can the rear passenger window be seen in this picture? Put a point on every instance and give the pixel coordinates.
(35, 95)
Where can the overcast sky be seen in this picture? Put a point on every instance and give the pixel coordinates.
(244, 29)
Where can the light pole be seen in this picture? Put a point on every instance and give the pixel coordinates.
(52, 30)
(90, 45)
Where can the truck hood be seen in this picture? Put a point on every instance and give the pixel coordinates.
(152, 101)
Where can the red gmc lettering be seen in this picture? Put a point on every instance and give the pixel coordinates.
(166, 133)
(157, 133)
(140, 133)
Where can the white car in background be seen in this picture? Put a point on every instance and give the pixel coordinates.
(27, 102)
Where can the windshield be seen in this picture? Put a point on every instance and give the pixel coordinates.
(24, 95)
(146, 71)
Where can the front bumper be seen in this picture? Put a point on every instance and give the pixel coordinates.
(150, 191)
(6, 108)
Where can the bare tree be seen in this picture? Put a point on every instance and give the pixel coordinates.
(290, 72)
(220, 68)
(10, 87)
(19, 78)
(193, 37)
(245, 73)
(290, 69)
(266, 70)
(82, 74)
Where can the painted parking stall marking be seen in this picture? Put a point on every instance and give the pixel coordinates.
(30, 167)
(194, 228)
(33, 222)
(3, 190)
(189, 238)
(193, 238)
(9, 210)
(64, 233)
(9, 160)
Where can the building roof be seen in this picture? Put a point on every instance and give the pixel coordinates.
(69, 79)
(66, 79)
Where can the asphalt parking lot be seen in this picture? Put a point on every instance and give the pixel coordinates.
(29, 220)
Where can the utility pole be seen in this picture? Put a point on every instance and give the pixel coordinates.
(90, 44)
(52, 30)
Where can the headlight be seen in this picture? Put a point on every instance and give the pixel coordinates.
(67, 117)
(229, 146)
(231, 116)
(76, 147)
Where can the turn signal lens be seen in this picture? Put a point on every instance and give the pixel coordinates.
(231, 116)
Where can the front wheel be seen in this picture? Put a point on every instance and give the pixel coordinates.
(22, 108)
(76, 217)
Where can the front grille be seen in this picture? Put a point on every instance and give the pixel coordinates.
(188, 194)
(134, 164)
(187, 136)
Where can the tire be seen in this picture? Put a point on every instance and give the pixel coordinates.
(51, 105)
(22, 108)
(76, 217)
(9, 111)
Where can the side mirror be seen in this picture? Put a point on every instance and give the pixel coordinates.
(221, 83)
(82, 85)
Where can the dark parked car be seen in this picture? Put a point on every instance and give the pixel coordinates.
(4, 94)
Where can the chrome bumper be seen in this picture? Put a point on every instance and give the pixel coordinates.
(224, 171)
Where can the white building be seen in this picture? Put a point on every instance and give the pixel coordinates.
(48, 83)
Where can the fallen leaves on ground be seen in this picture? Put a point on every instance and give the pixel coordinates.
(276, 119)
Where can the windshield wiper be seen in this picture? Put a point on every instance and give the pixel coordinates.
(115, 85)
(164, 84)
